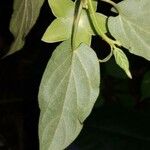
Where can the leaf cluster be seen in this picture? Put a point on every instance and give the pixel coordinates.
(71, 81)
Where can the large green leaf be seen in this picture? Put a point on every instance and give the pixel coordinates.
(132, 26)
(68, 91)
(61, 28)
(23, 18)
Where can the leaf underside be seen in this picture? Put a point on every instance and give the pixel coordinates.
(23, 18)
(68, 91)
(132, 26)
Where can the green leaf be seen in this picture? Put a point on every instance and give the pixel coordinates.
(145, 86)
(61, 8)
(132, 26)
(122, 60)
(23, 18)
(101, 19)
(61, 28)
(68, 91)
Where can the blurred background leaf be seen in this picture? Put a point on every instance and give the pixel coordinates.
(145, 86)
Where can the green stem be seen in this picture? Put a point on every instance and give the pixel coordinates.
(75, 24)
(107, 58)
(112, 3)
(92, 14)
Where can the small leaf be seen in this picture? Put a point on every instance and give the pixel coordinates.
(101, 19)
(68, 91)
(61, 8)
(122, 60)
(61, 28)
(132, 26)
(145, 86)
(23, 18)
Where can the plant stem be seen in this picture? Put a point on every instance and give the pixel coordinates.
(112, 3)
(92, 14)
(107, 58)
(75, 24)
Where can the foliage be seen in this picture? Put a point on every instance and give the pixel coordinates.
(131, 28)
(23, 18)
(70, 84)
(69, 100)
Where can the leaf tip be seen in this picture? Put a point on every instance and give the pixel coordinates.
(129, 74)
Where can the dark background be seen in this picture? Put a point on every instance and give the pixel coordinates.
(120, 119)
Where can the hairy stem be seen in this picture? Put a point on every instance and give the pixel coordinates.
(97, 27)
(78, 12)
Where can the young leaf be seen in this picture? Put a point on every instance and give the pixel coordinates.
(61, 8)
(122, 60)
(132, 26)
(68, 91)
(23, 18)
(61, 28)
